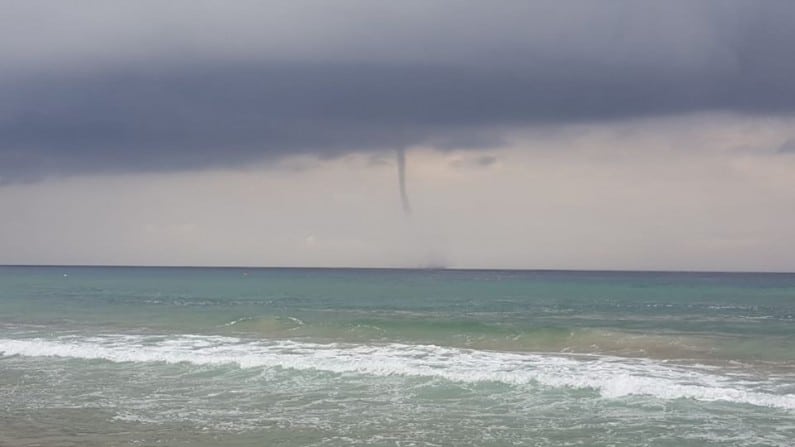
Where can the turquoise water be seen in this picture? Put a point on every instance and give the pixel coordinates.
(188, 356)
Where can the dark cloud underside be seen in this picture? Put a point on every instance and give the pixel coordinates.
(186, 112)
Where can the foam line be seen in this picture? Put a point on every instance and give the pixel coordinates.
(612, 377)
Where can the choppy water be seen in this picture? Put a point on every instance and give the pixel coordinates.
(161, 356)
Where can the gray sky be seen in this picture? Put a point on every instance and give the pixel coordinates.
(581, 134)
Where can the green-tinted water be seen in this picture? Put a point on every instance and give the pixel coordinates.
(166, 356)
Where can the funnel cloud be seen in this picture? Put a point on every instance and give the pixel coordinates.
(401, 165)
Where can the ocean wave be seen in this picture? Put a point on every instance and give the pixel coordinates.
(612, 377)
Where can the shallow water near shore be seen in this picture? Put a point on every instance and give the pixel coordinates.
(194, 356)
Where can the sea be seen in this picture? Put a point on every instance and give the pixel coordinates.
(122, 356)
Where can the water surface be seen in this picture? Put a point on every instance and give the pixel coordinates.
(194, 356)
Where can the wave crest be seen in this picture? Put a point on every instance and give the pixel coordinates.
(612, 377)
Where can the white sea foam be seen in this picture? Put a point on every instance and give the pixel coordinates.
(612, 377)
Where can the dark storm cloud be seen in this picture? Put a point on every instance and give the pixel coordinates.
(788, 147)
(479, 162)
(449, 74)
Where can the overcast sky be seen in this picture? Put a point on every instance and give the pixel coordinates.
(546, 134)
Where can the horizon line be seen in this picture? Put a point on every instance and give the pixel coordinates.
(452, 269)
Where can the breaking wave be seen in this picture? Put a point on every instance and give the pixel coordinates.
(612, 377)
